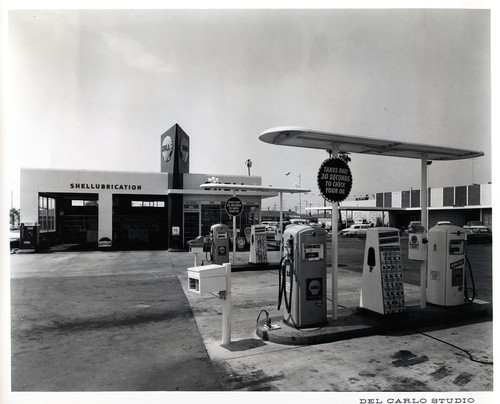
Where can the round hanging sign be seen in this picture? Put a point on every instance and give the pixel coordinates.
(234, 206)
(334, 180)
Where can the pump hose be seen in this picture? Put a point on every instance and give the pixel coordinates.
(282, 283)
(466, 292)
(288, 302)
(281, 280)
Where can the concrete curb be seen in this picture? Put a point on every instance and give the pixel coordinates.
(356, 323)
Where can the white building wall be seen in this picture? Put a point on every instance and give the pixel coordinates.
(486, 192)
(436, 197)
(397, 199)
(105, 221)
(362, 203)
(88, 181)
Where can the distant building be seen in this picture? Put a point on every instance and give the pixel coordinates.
(457, 204)
(274, 215)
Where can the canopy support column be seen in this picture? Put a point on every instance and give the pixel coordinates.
(424, 219)
(281, 225)
(335, 253)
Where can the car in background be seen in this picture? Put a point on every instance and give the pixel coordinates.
(298, 221)
(414, 227)
(474, 223)
(477, 232)
(270, 229)
(355, 230)
(443, 223)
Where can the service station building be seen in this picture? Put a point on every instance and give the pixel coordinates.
(133, 209)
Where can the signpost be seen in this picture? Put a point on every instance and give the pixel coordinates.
(234, 207)
(335, 183)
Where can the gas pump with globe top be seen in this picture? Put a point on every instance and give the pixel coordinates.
(219, 247)
(302, 282)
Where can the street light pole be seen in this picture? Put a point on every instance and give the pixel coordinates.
(249, 164)
(299, 186)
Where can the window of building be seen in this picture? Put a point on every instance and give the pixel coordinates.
(147, 204)
(80, 202)
(47, 213)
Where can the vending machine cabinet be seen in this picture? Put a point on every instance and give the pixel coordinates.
(29, 236)
(220, 243)
(258, 245)
(207, 279)
(306, 276)
(382, 288)
(446, 266)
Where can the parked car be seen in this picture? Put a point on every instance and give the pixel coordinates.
(414, 227)
(477, 232)
(355, 230)
(443, 223)
(299, 221)
(474, 223)
(271, 228)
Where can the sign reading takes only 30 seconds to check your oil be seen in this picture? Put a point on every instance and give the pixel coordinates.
(334, 180)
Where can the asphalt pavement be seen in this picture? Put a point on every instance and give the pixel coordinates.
(126, 321)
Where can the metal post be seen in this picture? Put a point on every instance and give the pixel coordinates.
(425, 222)
(300, 198)
(281, 224)
(234, 238)
(335, 257)
(226, 308)
(234, 234)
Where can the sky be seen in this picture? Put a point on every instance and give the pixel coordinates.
(95, 89)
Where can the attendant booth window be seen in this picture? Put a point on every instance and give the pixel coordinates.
(191, 221)
(210, 214)
(248, 217)
(213, 213)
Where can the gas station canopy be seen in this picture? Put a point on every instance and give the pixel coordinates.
(341, 143)
(312, 139)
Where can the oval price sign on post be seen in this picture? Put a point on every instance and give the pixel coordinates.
(334, 180)
(234, 206)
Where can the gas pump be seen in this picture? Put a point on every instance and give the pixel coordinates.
(219, 248)
(417, 243)
(258, 245)
(382, 288)
(302, 278)
(29, 236)
(446, 266)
